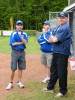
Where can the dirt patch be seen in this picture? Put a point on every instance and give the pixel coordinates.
(33, 72)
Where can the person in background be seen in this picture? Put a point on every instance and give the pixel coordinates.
(18, 41)
(61, 50)
(46, 49)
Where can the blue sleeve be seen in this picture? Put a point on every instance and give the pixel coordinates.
(62, 34)
(54, 30)
(41, 39)
(47, 35)
(12, 39)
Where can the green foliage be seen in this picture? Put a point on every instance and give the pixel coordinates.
(32, 12)
(58, 5)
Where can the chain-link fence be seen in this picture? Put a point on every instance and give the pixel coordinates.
(71, 2)
(53, 17)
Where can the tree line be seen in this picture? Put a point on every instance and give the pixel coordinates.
(32, 12)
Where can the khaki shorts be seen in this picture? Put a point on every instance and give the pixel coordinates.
(46, 59)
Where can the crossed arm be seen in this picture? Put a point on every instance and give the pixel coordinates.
(53, 39)
(19, 43)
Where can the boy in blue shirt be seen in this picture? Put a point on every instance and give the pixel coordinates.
(46, 49)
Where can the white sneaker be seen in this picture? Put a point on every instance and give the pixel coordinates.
(46, 90)
(59, 95)
(46, 80)
(19, 84)
(10, 86)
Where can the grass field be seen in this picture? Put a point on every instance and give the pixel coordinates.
(33, 90)
(32, 46)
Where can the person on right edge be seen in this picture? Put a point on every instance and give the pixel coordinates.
(61, 37)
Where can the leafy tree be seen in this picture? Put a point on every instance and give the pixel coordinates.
(32, 12)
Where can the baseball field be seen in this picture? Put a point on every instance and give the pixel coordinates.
(32, 76)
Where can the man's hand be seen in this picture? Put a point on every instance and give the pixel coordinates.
(20, 43)
(23, 40)
(44, 30)
(53, 39)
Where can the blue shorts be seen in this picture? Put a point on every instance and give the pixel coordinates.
(18, 60)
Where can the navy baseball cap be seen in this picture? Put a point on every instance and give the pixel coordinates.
(19, 22)
(63, 14)
(47, 22)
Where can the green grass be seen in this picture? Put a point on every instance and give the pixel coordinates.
(4, 45)
(32, 46)
(33, 91)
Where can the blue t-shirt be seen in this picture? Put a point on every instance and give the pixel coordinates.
(14, 37)
(63, 34)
